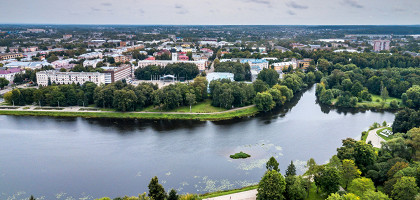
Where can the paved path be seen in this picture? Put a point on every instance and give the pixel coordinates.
(374, 138)
(77, 109)
(247, 195)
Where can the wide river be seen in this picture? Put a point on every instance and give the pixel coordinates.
(76, 158)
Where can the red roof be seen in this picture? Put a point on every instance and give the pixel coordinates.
(150, 58)
(10, 71)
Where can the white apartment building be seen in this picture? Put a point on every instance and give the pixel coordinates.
(91, 55)
(92, 63)
(69, 77)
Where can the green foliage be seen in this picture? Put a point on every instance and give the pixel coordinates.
(156, 190)
(348, 172)
(272, 164)
(359, 186)
(405, 189)
(241, 72)
(3, 82)
(295, 188)
(405, 120)
(269, 76)
(327, 179)
(186, 70)
(413, 97)
(173, 195)
(264, 101)
(291, 170)
(240, 155)
(272, 186)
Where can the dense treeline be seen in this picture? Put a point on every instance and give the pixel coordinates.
(350, 84)
(186, 70)
(392, 171)
(364, 60)
(119, 95)
(54, 95)
(241, 72)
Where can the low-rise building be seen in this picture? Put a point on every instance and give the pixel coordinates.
(305, 63)
(256, 64)
(53, 76)
(27, 65)
(120, 58)
(280, 66)
(91, 55)
(92, 63)
(9, 74)
(7, 56)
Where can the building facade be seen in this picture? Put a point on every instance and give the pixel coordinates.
(118, 73)
(69, 77)
(379, 45)
(7, 56)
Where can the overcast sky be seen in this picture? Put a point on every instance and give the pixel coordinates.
(277, 12)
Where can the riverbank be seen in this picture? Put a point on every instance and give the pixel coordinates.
(376, 104)
(215, 116)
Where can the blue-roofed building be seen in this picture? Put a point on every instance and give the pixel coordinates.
(256, 64)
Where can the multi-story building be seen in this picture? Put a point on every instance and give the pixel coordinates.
(117, 73)
(280, 66)
(305, 63)
(256, 64)
(69, 77)
(92, 63)
(120, 58)
(91, 55)
(67, 36)
(7, 56)
(96, 43)
(9, 74)
(379, 45)
(201, 64)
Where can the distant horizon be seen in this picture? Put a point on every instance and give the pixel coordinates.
(212, 24)
(215, 12)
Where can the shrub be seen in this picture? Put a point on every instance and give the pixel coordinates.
(239, 155)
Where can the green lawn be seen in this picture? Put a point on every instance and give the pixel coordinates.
(374, 103)
(221, 193)
(201, 107)
(383, 137)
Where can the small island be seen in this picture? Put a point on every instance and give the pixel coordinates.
(240, 155)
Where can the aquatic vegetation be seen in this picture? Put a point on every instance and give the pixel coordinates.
(240, 155)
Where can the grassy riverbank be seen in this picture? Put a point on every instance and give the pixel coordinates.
(377, 103)
(247, 111)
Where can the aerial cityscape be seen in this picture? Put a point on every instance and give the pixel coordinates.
(200, 100)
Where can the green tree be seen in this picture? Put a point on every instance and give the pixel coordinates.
(414, 142)
(413, 96)
(173, 195)
(405, 189)
(190, 98)
(3, 82)
(269, 76)
(272, 164)
(272, 186)
(295, 188)
(360, 185)
(384, 93)
(372, 195)
(348, 172)
(32, 197)
(264, 101)
(328, 179)
(291, 170)
(124, 100)
(156, 190)
(260, 86)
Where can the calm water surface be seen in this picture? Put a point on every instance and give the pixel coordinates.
(76, 158)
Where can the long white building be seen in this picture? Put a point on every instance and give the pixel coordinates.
(69, 77)
(201, 64)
